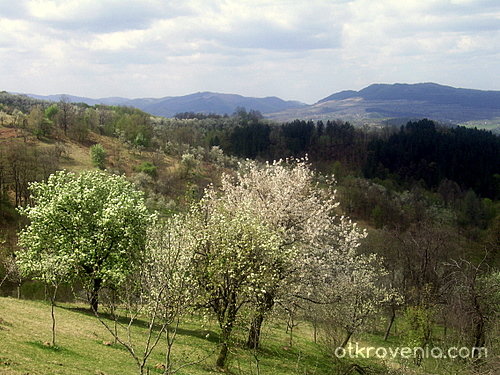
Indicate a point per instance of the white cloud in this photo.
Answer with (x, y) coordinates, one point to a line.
(296, 49)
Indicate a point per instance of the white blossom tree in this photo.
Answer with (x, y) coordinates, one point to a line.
(167, 286)
(353, 290)
(95, 222)
(231, 250)
(287, 196)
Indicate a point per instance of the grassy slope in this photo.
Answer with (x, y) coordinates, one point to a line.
(85, 347)
(26, 325)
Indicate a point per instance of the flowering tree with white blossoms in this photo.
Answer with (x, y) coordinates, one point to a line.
(167, 286)
(94, 222)
(230, 250)
(287, 197)
(161, 291)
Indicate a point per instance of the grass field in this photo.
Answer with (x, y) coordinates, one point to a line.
(85, 347)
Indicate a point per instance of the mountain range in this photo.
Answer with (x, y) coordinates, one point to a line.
(375, 103)
(380, 102)
(201, 102)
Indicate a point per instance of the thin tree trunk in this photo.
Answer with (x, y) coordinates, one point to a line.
(389, 325)
(52, 314)
(94, 299)
(315, 331)
(346, 340)
(479, 339)
(290, 326)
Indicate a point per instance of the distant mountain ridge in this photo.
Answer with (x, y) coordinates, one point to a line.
(428, 92)
(409, 101)
(203, 102)
(375, 103)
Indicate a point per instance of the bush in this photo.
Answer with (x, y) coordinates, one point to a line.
(148, 168)
(188, 163)
(98, 155)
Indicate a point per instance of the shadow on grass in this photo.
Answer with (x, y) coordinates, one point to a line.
(50, 348)
(201, 334)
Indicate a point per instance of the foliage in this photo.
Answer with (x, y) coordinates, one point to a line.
(316, 241)
(230, 263)
(423, 151)
(93, 223)
(148, 168)
(355, 291)
(160, 292)
(188, 162)
(417, 326)
(98, 155)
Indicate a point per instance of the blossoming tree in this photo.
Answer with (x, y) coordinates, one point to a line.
(230, 252)
(94, 222)
(286, 196)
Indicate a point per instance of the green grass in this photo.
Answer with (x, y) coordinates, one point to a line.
(83, 346)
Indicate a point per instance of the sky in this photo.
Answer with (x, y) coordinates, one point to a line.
(294, 49)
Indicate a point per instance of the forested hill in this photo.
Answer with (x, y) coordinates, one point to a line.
(425, 92)
(373, 104)
(202, 102)
(420, 152)
(409, 101)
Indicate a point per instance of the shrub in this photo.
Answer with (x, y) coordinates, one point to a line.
(98, 155)
(148, 168)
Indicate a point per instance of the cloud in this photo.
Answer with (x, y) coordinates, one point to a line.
(102, 16)
(296, 49)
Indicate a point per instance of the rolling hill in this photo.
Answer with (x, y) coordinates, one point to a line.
(203, 102)
(379, 102)
(374, 104)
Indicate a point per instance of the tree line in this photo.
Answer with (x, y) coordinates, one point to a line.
(429, 257)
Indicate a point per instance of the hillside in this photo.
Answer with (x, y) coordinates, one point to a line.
(424, 100)
(84, 346)
(375, 104)
(202, 102)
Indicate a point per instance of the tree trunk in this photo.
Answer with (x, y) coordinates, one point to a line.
(256, 326)
(224, 348)
(479, 340)
(52, 314)
(94, 298)
(389, 326)
(254, 333)
(226, 323)
(346, 340)
(315, 330)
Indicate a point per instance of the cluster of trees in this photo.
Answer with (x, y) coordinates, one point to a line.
(423, 151)
(268, 236)
(52, 120)
(420, 152)
(20, 164)
(22, 103)
(433, 224)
